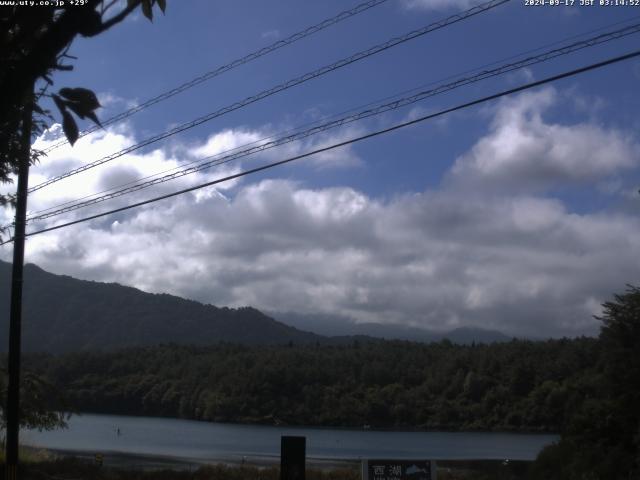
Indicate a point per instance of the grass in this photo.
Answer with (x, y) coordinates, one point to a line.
(28, 454)
(482, 470)
(70, 468)
(43, 465)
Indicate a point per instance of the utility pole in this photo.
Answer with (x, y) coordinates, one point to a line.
(15, 319)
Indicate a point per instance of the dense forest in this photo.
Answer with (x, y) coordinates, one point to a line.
(601, 437)
(518, 386)
(588, 389)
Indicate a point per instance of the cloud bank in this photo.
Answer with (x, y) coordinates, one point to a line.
(490, 247)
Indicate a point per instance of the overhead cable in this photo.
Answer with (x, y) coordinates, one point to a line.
(281, 87)
(344, 15)
(216, 160)
(326, 118)
(398, 126)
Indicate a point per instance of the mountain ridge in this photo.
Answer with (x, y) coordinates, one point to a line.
(62, 313)
(334, 325)
(65, 314)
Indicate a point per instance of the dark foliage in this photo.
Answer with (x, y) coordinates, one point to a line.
(602, 437)
(41, 405)
(517, 386)
(34, 44)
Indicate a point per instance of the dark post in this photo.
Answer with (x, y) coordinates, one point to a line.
(292, 458)
(15, 319)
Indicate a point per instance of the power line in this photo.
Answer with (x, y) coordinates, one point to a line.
(353, 109)
(283, 86)
(495, 96)
(219, 159)
(289, 84)
(344, 15)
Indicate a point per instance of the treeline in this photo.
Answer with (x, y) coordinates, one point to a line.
(601, 437)
(515, 386)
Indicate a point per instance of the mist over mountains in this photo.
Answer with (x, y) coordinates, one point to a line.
(63, 314)
(332, 325)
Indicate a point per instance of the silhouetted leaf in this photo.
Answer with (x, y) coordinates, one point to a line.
(77, 109)
(69, 127)
(146, 9)
(83, 96)
(82, 113)
(59, 103)
(162, 4)
(94, 117)
(38, 109)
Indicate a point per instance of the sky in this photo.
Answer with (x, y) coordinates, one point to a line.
(520, 214)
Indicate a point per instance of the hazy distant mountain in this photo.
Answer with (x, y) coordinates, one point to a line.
(332, 325)
(62, 313)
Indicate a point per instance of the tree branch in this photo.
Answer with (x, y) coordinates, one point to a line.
(117, 18)
(106, 8)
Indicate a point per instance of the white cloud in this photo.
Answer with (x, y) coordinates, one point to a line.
(441, 4)
(520, 76)
(109, 101)
(524, 151)
(503, 258)
(228, 141)
(524, 265)
(146, 164)
(271, 34)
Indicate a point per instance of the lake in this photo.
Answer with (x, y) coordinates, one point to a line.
(193, 441)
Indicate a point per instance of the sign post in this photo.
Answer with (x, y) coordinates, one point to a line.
(292, 458)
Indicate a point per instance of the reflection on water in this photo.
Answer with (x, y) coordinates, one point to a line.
(192, 440)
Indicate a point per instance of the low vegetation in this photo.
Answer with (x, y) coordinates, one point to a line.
(71, 468)
(68, 468)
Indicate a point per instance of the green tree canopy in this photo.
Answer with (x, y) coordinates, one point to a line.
(602, 440)
(42, 405)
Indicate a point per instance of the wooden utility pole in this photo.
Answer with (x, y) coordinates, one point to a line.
(15, 319)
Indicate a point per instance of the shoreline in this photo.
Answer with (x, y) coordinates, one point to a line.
(369, 428)
(118, 459)
(145, 467)
(181, 443)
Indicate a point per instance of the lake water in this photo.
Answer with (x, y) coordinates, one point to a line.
(203, 441)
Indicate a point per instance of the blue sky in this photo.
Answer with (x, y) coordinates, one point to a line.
(519, 215)
(139, 59)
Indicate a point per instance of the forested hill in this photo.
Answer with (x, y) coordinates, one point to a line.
(518, 386)
(64, 314)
